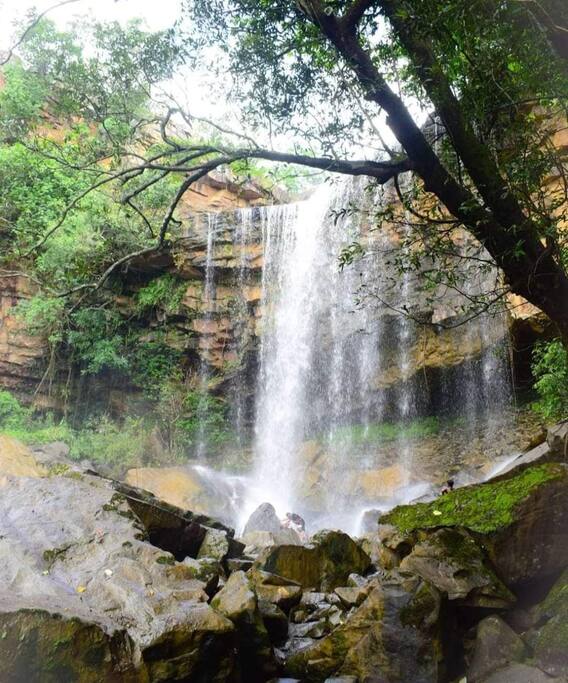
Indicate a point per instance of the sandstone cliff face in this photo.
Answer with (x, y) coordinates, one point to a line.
(219, 323)
(23, 357)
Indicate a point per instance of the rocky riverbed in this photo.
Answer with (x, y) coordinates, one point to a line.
(102, 581)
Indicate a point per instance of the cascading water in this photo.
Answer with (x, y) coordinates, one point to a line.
(336, 362)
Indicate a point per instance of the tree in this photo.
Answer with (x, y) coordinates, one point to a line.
(493, 75)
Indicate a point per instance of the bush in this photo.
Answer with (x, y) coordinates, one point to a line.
(550, 370)
(12, 414)
(116, 446)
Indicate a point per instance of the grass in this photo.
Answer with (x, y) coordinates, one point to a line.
(385, 432)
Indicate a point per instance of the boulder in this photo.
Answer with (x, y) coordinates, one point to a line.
(520, 519)
(549, 639)
(453, 562)
(256, 541)
(85, 596)
(206, 570)
(238, 602)
(275, 589)
(178, 531)
(324, 564)
(275, 621)
(496, 646)
(16, 459)
(215, 545)
(392, 636)
(557, 440)
(235, 600)
(264, 518)
(189, 488)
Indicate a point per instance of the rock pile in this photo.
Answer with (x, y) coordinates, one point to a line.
(102, 581)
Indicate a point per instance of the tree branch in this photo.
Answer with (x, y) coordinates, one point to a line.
(4, 60)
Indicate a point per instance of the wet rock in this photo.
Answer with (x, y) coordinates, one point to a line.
(392, 636)
(239, 564)
(380, 555)
(275, 621)
(238, 602)
(520, 519)
(37, 645)
(324, 564)
(236, 599)
(549, 639)
(496, 646)
(284, 597)
(17, 460)
(84, 594)
(557, 439)
(256, 541)
(453, 562)
(310, 629)
(519, 673)
(264, 518)
(215, 545)
(351, 597)
(206, 570)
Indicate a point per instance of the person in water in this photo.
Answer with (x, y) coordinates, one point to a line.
(448, 487)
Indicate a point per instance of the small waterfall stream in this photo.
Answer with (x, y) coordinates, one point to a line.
(335, 362)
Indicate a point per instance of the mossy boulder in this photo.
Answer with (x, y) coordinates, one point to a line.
(238, 602)
(393, 636)
(520, 520)
(453, 562)
(550, 638)
(496, 645)
(324, 564)
(39, 645)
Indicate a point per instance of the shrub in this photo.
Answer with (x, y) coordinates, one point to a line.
(550, 370)
(12, 414)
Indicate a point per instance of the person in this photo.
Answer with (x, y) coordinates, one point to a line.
(295, 522)
(448, 487)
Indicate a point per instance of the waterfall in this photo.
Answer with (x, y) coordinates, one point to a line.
(337, 361)
(209, 298)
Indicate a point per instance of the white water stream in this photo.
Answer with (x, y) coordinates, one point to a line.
(321, 355)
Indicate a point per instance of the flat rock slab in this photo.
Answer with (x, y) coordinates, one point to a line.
(75, 561)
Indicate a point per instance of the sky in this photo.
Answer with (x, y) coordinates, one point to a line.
(158, 14)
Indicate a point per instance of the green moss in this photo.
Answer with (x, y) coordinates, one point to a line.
(483, 508)
(166, 559)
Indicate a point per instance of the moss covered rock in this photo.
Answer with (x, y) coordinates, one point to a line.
(520, 520)
(550, 638)
(392, 636)
(38, 645)
(453, 562)
(324, 564)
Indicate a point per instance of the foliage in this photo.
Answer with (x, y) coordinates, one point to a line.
(191, 419)
(23, 424)
(165, 292)
(115, 446)
(12, 414)
(483, 508)
(550, 369)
